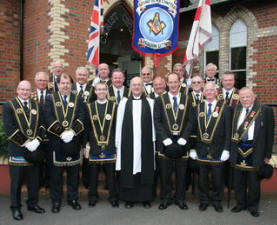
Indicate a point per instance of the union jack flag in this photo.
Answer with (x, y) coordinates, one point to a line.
(96, 25)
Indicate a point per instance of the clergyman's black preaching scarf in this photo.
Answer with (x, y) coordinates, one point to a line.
(147, 155)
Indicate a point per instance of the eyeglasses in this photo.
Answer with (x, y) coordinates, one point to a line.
(196, 82)
(42, 80)
(146, 74)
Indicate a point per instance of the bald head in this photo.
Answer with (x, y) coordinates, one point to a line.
(136, 86)
(24, 89)
(57, 68)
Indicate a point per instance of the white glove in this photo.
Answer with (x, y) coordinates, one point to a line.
(67, 136)
(182, 141)
(193, 154)
(167, 142)
(33, 145)
(225, 155)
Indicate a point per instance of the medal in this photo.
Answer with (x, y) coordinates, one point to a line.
(175, 126)
(183, 85)
(94, 117)
(71, 104)
(19, 111)
(112, 98)
(108, 117)
(220, 96)
(235, 97)
(34, 112)
(102, 155)
(215, 114)
(68, 159)
(86, 93)
(65, 123)
(209, 156)
(29, 132)
(58, 104)
(205, 135)
(74, 92)
(102, 138)
(167, 106)
(201, 114)
(236, 136)
(181, 107)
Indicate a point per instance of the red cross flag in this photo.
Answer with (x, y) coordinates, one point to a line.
(201, 33)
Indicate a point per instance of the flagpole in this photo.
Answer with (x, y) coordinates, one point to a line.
(189, 77)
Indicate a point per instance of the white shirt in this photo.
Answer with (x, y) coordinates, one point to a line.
(241, 119)
(121, 90)
(149, 88)
(137, 107)
(79, 88)
(229, 91)
(171, 98)
(22, 101)
(102, 101)
(213, 105)
(195, 93)
(38, 93)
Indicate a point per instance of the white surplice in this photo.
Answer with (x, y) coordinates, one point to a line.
(137, 105)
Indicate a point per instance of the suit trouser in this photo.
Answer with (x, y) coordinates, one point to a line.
(167, 166)
(19, 174)
(110, 179)
(217, 183)
(247, 189)
(72, 181)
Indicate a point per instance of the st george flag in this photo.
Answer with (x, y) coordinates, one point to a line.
(96, 25)
(201, 33)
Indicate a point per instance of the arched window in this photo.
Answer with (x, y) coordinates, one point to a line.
(212, 48)
(238, 43)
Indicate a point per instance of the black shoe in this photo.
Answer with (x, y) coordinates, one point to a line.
(115, 204)
(56, 207)
(181, 205)
(255, 213)
(146, 205)
(75, 204)
(36, 209)
(129, 205)
(237, 209)
(92, 203)
(218, 207)
(17, 214)
(164, 205)
(203, 206)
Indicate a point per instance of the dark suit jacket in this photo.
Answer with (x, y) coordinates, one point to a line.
(222, 135)
(161, 124)
(263, 137)
(11, 126)
(91, 97)
(95, 148)
(55, 142)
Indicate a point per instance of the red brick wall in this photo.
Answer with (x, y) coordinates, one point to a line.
(79, 20)
(9, 48)
(36, 35)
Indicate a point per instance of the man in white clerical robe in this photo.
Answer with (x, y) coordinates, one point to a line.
(135, 143)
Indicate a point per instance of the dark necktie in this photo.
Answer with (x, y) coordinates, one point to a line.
(148, 84)
(197, 98)
(175, 104)
(81, 90)
(209, 113)
(245, 138)
(25, 107)
(41, 98)
(227, 98)
(118, 96)
(64, 101)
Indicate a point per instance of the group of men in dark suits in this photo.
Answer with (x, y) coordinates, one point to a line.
(62, 121)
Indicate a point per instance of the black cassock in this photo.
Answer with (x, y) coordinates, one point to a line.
(135, 184)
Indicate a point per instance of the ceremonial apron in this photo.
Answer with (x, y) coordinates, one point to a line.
(102, 131)
(207, 128)
(28, 126)
(175, 122)
(244, 148)
(65, 116)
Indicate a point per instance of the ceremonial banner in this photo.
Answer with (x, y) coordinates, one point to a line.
(155, 26)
